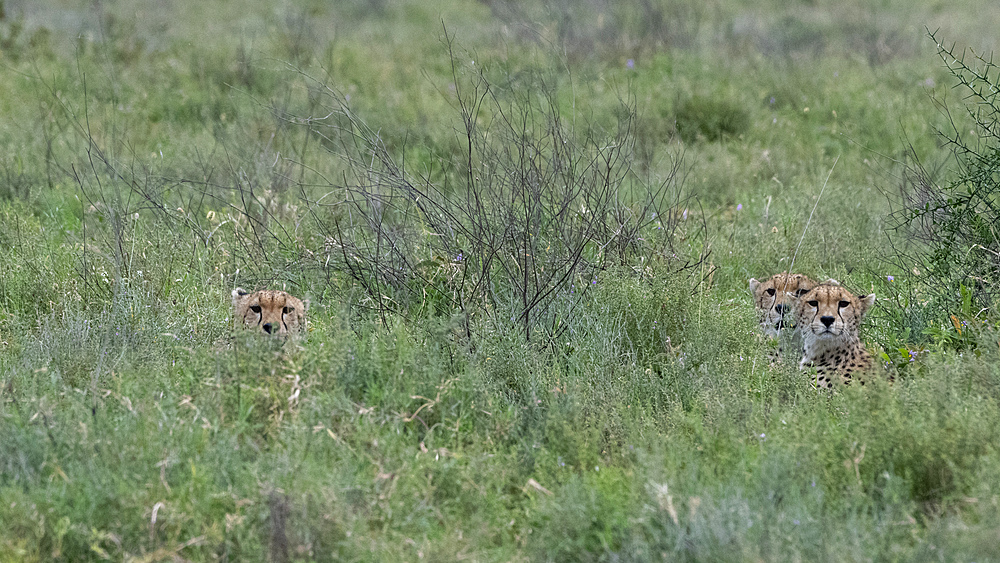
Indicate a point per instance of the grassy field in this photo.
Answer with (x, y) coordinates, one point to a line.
(525, 230)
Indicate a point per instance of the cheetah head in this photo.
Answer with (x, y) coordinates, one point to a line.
(830, 312)
(271, 311)
(775, 298)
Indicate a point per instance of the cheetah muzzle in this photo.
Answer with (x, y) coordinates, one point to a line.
(269, 311)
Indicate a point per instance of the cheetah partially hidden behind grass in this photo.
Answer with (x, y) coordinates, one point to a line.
(268, 310)
(828, 317)
(775, 299)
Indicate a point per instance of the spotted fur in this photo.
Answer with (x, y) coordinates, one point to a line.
(270, 311)
(775, 300)
(828, 317)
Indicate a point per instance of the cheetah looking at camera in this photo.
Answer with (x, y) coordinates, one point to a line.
(776, 297)
(272, 311)
(828, 317)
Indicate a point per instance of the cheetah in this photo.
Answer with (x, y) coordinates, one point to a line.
(775, 299)
(828, 317)
(272, 311)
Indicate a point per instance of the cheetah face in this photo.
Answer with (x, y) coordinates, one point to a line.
(832, 312)
(271, 311)
(776, 297)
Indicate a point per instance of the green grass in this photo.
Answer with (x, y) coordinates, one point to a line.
(155, 159)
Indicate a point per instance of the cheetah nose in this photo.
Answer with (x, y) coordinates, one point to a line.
(268, 327)
(780, 308)
(827, 321)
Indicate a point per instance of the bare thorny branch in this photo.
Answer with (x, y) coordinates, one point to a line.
(949, 229)
(537, 211)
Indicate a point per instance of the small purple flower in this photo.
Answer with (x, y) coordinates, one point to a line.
(739, 207)
(890, 278)
(772, 100)
(630, 63)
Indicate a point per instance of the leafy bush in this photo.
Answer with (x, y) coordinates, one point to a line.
(951, 231)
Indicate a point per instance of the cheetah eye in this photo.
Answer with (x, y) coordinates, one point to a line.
(288, 310)
(844, 304)
(769, 291)
(813, 303)
(255, 308)
(801, 292)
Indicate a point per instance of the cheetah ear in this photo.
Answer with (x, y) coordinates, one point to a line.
(831, 281)
(754, 284)
(237, 293)
(866, 302)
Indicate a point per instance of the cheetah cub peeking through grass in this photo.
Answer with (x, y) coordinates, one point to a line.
(828, 316)
(775, 300)
(268, 310)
